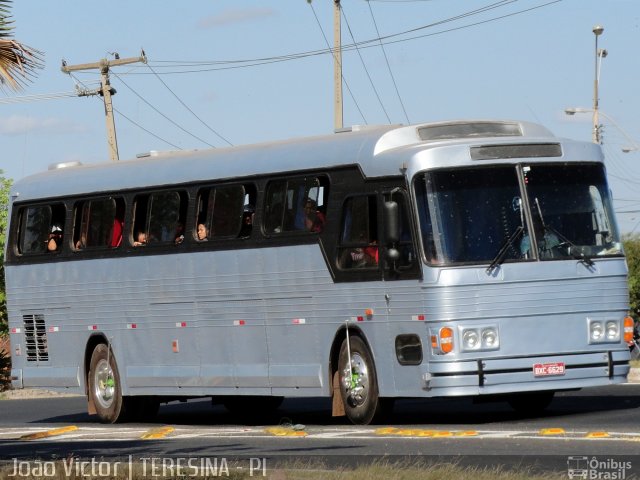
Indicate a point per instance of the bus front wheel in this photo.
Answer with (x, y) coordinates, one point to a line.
(358, 382)
(105, 390)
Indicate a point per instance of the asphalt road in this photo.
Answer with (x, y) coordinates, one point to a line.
(601, 426)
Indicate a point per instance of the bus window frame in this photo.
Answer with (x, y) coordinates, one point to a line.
(184, 207)
(85, 221)
(319, 181)
(20, 231)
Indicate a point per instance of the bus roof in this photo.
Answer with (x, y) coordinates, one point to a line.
(373, 148)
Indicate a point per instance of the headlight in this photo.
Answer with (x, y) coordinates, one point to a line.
(596, 331)
(490, 338)
(470, 339)
(479, 338)
(613, 331)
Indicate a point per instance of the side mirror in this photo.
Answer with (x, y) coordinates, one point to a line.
(391, 222)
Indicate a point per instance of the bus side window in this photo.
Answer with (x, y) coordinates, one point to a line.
(221, 211)
(159, 218)
(41, 229)
(98, 223)
(358, 245)
(227, 211)
(297, 204)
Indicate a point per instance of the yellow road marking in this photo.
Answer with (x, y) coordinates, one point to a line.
(597, 435)
(49, 433)
(156, 433)
(424, 433)
(285, 432)
(552, 431)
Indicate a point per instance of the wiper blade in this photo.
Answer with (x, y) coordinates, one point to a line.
(586, 259)
(502, 253)
(548, 228)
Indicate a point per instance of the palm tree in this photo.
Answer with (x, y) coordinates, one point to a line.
(17, 61)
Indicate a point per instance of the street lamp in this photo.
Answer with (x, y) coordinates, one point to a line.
(600, 54)
(635, 146)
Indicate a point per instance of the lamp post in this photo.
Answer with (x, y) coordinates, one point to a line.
(600, 53)
(634, 145)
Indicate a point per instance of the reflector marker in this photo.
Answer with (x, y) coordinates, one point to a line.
(15, 330)
(552, 431)
(285, 432)
(597, 435)
(299, 321)
(156, 433)
(418, 317)
(132, 326)
(238, 323)
(181, 324)
(356, 319)
(54, 329)
(92, 327)
(49, 433)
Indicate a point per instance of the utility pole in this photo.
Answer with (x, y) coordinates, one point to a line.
(596, 135)
(337, 66)
(106, 91)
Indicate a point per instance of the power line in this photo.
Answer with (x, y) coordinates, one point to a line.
(37, 97)
(365, 66)
(185, 106)
(127, 118)
(332, 51)
(247, 63)
(393, 79)
(160, 113)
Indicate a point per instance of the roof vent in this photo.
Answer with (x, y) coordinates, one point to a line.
(56, 166)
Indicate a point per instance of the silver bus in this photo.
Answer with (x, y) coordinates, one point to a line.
(470, 258)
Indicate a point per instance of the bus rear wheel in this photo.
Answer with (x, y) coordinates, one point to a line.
(358, 382)
(105, 390)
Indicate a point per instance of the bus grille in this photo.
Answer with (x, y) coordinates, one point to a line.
(35, 334)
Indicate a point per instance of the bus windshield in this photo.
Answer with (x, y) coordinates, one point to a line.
(474, 215)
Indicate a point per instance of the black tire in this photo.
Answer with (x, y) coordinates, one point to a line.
(359, 387)
(105, 390)
(252, 406)
(532, 403)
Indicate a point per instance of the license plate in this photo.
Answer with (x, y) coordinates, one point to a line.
(548, 369)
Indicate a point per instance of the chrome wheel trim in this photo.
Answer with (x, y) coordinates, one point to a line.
(355, 380)
(104, 384)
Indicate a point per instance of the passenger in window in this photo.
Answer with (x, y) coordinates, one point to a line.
(314, 219)
(179, 233)
(141, 239)
(82, 241)
(202, 232)
(54, 242)
(116, 233)
(247, 220)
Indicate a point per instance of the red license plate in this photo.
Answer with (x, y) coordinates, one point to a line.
(548, 369)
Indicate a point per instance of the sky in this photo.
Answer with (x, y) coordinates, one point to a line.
(223, 72)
